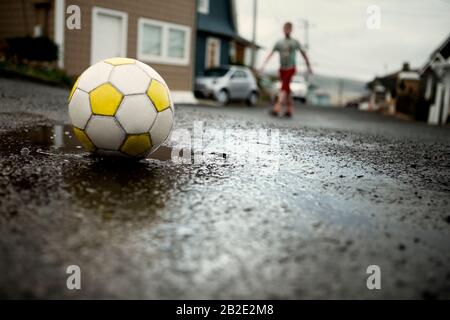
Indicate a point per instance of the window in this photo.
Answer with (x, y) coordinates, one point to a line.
(203, 6)
(176, 43)
(152, 40)
(233, 52)
(163, 42)
(216, 72)
(239, 75)
(247, 56)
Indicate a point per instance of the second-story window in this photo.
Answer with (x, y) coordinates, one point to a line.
(203, 6)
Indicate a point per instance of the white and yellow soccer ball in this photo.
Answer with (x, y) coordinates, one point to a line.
(121, 106)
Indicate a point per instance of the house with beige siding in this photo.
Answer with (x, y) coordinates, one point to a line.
(159, 33)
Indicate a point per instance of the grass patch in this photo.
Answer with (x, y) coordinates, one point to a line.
(39, 73)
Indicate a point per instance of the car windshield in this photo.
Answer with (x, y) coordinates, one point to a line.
(216, 72)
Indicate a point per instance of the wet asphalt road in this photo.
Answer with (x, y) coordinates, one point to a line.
(352, 189)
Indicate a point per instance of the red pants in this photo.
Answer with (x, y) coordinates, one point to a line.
(286, 78)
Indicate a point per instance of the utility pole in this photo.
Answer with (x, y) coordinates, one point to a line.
(306, 25)
(255, 13)
(340, 92)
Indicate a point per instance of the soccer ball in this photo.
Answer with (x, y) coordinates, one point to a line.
(121, 107)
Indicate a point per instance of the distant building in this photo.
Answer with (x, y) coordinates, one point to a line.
(382, 92)
(436, 85)
(408, 91)
(218, 42)
(397, 92)
(380, 97)
(160, 33)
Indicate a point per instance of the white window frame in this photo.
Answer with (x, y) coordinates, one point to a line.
(164, 58)
(116, 13)
(203, 6)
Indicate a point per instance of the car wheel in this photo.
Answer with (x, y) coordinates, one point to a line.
(252, 98)
(223, 97)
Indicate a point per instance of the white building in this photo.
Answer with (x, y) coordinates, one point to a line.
(436, 74)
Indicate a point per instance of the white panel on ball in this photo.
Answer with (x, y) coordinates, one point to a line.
(130, 79)
(94, 76)
(79, 109)
(151, 72)
(136, 114)
(105, 132)
(162, 127)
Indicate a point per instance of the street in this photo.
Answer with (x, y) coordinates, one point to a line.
(352, 189)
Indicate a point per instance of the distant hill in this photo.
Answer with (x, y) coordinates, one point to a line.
(350, 88)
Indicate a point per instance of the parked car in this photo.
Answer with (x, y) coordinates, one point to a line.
(299, 88)
(353, 104)
(357, 102)
(228, 83)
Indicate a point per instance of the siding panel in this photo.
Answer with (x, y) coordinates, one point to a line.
(77, 54)
(77, 51)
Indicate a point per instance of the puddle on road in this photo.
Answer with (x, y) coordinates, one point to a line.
(60, 140)
(113, 189)
(45, 139)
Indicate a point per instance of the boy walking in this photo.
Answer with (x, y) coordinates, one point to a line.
(287, 49)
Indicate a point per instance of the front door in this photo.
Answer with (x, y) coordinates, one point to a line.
(212, 55)
(109, 34)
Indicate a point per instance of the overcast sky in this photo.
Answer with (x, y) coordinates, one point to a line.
(340, 42)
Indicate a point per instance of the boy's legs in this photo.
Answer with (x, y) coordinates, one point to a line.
(289, 103)
(289, 97)
(284, 90)
(284, 95)
(280, 100)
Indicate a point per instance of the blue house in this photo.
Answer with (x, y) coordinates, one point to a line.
(218, 42)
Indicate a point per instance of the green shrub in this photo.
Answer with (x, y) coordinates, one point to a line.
(31, 49)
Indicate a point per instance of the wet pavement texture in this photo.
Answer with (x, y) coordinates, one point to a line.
(352, 189)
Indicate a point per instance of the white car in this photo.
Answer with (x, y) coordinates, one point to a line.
(228, 83)
(299, 88)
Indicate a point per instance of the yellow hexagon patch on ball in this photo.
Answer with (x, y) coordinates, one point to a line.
(158, 94)
(137, 144)
(105, 100)
(119, 61)
(84, 139)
